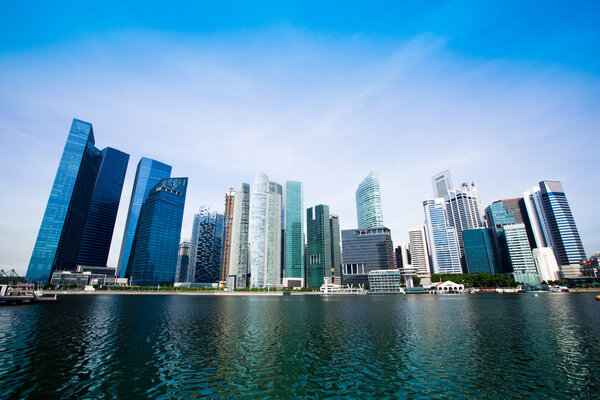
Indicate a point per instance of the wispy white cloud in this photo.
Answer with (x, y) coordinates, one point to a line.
(326, 111)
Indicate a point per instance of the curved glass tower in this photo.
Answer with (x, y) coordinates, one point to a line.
(148, 173)
(264, 233)
(368, 203)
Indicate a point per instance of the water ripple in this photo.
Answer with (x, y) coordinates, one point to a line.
(171, 347)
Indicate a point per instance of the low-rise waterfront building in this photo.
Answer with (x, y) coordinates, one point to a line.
(446, 287)
(385, 281)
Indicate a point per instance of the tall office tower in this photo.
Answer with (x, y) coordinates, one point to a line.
(229, 204)
(365, 250)
(546, 265)
(206, 253)
(539, 225)
(76, 186)
(336, 251)
(479, 251)
(153, 258)
(318, 245)
(265, 233)
(441, 239)
(463, 207)
(402, 256)
(368, 203)
(442, 184)
(519, 252)
(102, 214)
(293, 273)
(563, 231)
(513, 206)
(147, 175)
(183, 261)
(238, 258)
(418, 251)
(497, 216)
(510, 211)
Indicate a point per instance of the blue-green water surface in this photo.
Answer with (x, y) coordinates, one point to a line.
(411, 346)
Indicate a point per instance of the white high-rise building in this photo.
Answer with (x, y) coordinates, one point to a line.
(441, 238)
(418, 251)
(265, 233)
(238, 258)
(546, 265)
(369, 210)
(539, 225)
(464, 210)
(442, 184)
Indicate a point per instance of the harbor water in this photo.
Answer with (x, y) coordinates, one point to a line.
(401, 346)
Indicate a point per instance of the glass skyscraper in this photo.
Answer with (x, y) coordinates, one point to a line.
(206, 252)
(442, 238)
(147, 175)
(264, 234)
(318, 245)
(479, 251)
(336, 251)
(363, 251)
(153, 259)
(102, 214)
(563, 231)
(238, 258)
(183, 261)
(294, 235)
(76, 184)
(368, 203)
(519, 253)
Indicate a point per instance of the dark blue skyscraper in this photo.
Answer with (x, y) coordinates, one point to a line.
(206, 255)
(153, 259)
(100, 222)
(62, 229)
(148, 173)
(479, 251)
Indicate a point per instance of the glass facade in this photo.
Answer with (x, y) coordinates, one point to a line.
(368, 203)
(479, 251)
(183, 261)
(318, 245)
(154, 253)
(147, 175)
(336, 252)
(59, 238)
(206, 252)
(264, 235)
(442, 240)
(498, 216)
(102, 214)
(562, 229)
(256, 234)
(238, 260)
(365, 250)
(520, 256)
(273, 236)
(294, 230)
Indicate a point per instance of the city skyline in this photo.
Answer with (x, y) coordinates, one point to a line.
(442, 90)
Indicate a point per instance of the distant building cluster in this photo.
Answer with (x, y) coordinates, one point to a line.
(267, 239)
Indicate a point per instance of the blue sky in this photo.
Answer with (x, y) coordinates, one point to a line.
(503, 93)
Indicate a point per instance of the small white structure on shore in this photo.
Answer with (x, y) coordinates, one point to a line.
(330, 288)
(446, 287)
